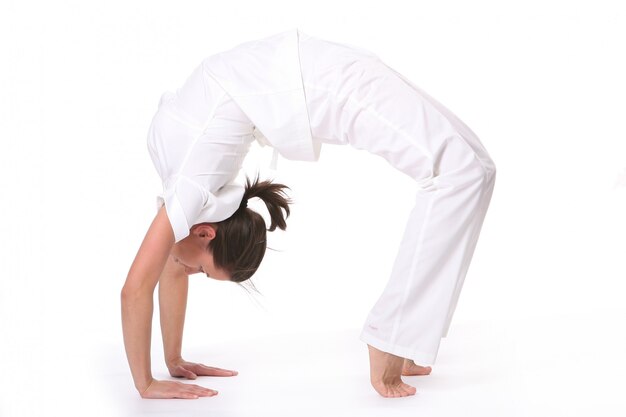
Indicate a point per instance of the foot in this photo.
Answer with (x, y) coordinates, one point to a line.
(385, 371)
(410, 368)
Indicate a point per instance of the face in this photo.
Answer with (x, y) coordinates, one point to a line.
(192, 254)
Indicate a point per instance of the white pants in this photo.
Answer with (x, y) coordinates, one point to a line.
(367, 104)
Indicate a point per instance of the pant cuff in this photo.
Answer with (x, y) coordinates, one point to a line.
(419, 357)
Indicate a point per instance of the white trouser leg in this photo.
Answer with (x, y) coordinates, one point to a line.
(456, 177)
(481, 211)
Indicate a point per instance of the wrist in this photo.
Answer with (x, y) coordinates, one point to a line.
(143, 386)
(172, 361)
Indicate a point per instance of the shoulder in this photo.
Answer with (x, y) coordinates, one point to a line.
(152, 254)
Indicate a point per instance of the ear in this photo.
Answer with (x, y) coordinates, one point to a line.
(204, 230)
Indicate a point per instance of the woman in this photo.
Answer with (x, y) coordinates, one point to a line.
(294, 92)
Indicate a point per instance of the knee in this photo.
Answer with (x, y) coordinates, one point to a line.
(483, 175)
(489, 168)
(480, 173)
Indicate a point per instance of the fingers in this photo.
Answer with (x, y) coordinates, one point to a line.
(185, 373)
(173, 389)
(188, 391)
(192, 370)
(204, 370)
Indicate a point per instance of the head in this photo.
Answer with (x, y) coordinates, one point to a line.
(232, 250)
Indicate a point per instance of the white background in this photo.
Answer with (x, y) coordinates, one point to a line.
(539, 326)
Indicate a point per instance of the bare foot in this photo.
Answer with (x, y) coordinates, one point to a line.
(410, 368)
(385, 371)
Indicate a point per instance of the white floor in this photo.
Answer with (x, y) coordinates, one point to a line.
(545, 366)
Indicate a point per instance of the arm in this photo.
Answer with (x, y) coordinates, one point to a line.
(173, 289)
(136, 297)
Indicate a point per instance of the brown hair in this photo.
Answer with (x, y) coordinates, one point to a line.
(241, 240)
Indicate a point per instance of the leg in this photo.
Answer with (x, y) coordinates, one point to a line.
(416, 307)
(456, 176)
(412, 314)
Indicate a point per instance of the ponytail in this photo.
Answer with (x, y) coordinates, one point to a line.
(241, 240)
(274, 197)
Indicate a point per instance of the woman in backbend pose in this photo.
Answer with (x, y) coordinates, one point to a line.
(293, 91)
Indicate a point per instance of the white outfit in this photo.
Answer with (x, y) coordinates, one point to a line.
(197, 140)
(355, 98)
(343, 94)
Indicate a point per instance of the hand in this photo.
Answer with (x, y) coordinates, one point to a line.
(174, 389)
(183, 369)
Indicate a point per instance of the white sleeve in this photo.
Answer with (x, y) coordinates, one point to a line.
(182, 200)
(196, 162)
(197, 97)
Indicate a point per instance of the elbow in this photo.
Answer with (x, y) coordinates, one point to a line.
(131, 293)
(127, 295)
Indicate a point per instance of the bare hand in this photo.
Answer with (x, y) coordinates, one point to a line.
(191, 370)
(174, 389)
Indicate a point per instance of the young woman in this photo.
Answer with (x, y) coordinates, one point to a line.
(293, 91)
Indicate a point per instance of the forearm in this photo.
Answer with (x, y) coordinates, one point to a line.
(173, 289)
(137, 294)
(137, 309)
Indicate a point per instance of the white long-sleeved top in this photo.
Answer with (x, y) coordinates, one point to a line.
(197, 140)
(201, 133)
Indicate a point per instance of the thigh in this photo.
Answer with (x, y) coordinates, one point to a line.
(388, 115)
(354, 97)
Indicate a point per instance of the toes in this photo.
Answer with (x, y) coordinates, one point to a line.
(405, 389)
(420, 370)
(410, 390)
(416, 370)
(384, 390)
(394, 390)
